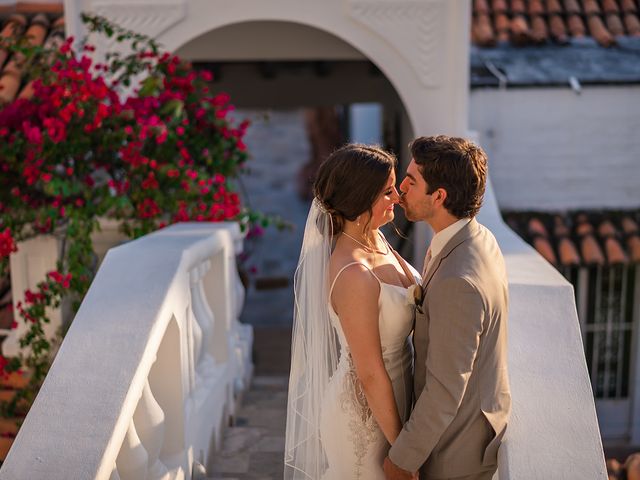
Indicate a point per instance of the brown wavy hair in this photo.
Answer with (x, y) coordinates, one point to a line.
(350, 179)
(457, 165)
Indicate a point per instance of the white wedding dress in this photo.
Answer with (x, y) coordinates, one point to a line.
(353, 442)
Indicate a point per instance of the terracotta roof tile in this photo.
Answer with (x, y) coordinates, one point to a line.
(50, 8)
(38, 29)
(536, 8)
(558, 29)
(576, 25)
(482, 31)
(539, 31)
(615, 253)
(517, 6)
(540, 21)
(572, 6)
(481, 7)
(545, 249)
(587, 238)
(591, 251)
(629, 226)
(568, 252)
(519, 30)
(590, 7)
(628, 6)
(554, 6)
(633, 243)
(599, 31)
(632, 24)
(499, 6)
(614, 24)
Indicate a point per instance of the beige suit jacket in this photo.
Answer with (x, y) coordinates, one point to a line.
(461, 384)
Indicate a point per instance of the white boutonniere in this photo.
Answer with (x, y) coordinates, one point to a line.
(414, 295)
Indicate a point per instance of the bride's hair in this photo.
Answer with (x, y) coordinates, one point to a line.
(350, 180)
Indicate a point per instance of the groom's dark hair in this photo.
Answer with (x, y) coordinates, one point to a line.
(455, 165)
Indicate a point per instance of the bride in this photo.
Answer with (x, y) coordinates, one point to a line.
(351, 362)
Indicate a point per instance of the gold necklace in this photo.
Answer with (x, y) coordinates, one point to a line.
(367, 247)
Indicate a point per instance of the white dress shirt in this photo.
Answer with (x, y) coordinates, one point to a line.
(440, 239)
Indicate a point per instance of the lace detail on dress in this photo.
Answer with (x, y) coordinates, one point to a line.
(362, 425)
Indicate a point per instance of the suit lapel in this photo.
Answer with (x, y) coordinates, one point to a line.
(465, 233)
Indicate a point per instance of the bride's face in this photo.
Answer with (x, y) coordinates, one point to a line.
(383, 207)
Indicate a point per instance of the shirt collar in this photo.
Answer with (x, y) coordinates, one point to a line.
(441, 238)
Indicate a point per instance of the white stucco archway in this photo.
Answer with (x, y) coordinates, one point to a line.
(421, 47)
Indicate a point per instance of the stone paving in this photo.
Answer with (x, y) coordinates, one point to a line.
(253, 448)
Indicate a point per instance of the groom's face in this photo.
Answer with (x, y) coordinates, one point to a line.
(417, 203)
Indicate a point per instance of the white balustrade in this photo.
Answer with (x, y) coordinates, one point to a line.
(144, 380)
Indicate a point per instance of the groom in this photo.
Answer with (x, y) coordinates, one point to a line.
(461, 384)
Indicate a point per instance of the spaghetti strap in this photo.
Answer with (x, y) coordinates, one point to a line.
(344, 268)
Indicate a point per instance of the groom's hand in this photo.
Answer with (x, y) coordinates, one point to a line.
(394, 472)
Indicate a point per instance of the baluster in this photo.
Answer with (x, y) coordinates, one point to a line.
(132, 459)
(149, 420)
(195, 326)
(204, 315)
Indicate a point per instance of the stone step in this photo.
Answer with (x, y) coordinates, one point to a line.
(253, 448)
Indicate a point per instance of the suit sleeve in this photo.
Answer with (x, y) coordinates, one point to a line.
(456, 314)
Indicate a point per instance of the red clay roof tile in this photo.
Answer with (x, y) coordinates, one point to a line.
(615, 253)
(538, 21)
(591, 238)
(536, 8)
(628, 6)
(590, 7)
(482, 32)
(600, 32)
(629, 226)
(517, 6)
(572, 6)
(576, 25)
(610, 6)
(481, 7)
(545, 249)
(634, 247)
(591, 251)
(568, 252)
(558, 29)
(632, 24)
(536, 227)
(539, 31)
(614, 24)
(52, 8)
(553, 6)
(499, 6)
(519, 30)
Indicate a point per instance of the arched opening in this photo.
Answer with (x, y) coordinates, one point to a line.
(306, 91)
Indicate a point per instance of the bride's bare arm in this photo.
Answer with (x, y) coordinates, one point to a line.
(355, 299)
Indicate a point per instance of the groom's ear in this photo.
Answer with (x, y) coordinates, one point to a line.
(440, 195)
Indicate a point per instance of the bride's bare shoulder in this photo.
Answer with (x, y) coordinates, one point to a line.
(346, 268)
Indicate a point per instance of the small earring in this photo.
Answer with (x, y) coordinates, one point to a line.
(358, 221)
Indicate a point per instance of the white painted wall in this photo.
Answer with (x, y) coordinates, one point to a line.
(553, 149)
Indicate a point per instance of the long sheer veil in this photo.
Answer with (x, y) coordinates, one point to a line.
(313, 350)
